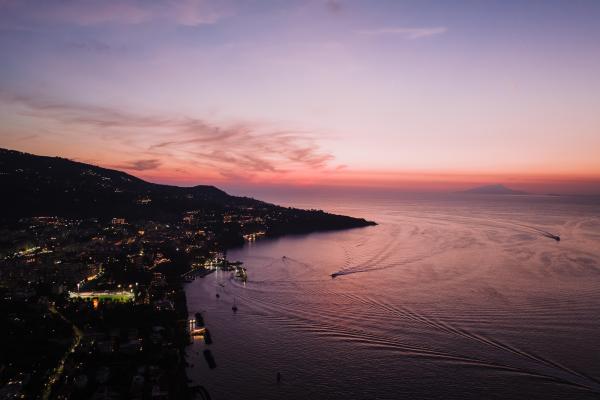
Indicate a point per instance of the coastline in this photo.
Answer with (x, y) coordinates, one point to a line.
(194, 389)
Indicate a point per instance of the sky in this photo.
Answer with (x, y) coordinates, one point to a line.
(400, 95)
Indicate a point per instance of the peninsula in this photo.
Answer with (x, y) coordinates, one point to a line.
(101, 257)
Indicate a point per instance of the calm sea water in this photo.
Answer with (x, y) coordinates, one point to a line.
(455, 297)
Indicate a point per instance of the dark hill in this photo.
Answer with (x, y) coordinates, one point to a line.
(52, 186)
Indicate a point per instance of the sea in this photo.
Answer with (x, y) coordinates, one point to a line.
(449, 297)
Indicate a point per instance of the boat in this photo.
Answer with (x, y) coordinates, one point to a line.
(234, 307)
(336, 274)
(240, 274)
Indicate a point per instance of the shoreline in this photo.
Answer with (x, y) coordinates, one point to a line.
(193, 389)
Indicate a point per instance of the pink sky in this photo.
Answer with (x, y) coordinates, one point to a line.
(400, 95)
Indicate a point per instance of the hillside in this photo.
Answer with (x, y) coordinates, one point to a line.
(52, 186)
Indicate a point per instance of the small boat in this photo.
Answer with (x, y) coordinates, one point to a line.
(217, 295)
(552, 236)
(234, 307)
(240, 274)
(336, 274)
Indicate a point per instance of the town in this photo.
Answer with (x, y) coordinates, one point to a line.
(95, 309)
(92, 267)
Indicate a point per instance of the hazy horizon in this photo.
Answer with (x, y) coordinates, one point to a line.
(416, 187)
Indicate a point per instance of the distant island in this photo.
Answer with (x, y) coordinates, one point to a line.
(493, 189)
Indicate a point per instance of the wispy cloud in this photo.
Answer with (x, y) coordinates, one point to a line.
(140, 165)
(93, 46)
(94, 12)
(237, 148)
(409, 33)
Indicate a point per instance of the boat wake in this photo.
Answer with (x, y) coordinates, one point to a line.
(542, 232)
(534, 364)
(443, 243)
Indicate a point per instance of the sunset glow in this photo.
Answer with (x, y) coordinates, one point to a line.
(292, 199)
(399, 95)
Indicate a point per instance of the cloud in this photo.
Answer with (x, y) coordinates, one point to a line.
(334, 6)
(140, 165)
(236, 148)
(95, 12)
(92, 46)
(410, 33)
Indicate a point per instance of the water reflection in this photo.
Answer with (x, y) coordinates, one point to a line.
(456, 298)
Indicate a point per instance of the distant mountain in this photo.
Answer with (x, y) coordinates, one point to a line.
(52, 186)
(493, 189)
